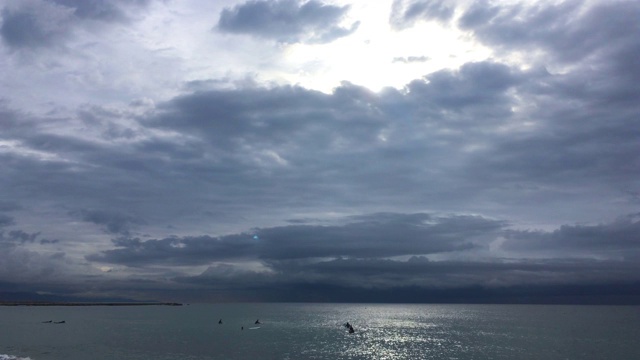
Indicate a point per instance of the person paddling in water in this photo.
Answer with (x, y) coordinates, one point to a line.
(220, 321)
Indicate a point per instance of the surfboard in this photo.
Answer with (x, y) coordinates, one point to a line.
(254, 328)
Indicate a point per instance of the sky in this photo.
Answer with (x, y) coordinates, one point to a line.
(293, 150)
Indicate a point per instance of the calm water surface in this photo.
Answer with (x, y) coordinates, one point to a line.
(315, 331)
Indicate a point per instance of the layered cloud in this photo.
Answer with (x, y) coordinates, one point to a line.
(374, 236)
(617, 239)
(511, 171)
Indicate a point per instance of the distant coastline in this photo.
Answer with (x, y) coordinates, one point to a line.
(46, 303)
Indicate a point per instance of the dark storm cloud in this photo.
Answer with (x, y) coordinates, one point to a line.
(372, 236)
(354, 254)
(378, 235)
(287, 21)
(619, 238)
(421, 280)
(404, 13)
(420, 272)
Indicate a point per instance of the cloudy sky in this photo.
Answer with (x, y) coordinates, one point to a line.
(391, 150)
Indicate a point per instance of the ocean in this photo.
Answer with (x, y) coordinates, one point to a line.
(317, 331)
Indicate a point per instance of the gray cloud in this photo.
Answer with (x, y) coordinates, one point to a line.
(620, 238)
(6, 220)
(18, 236)
(421, 280)
(361, 180)
(115, 222)
(479, 86)
(43, 23)
(405, 13)
(111, 11)
(379, 235)
(284, 129)
(564, 30)
(34, 24)
(420, 272)
(9, 206)
(287, 21)
(438, 141)
(355, 254)
(48, 241)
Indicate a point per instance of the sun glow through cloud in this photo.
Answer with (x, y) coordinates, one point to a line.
(378, 56)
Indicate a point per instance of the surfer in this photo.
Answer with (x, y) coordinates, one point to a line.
(47, 322)
(220, 321)
(257, 322)
(351, 331)
(59, 322)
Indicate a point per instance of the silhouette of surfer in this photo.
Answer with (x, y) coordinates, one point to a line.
(257, 322)
(220, 321)
(351, 330)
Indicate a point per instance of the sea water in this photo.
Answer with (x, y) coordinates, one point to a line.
(317, 331)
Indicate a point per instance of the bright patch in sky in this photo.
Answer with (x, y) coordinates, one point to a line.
(377, 56)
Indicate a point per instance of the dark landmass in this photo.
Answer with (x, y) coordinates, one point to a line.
(27, 298)
(37, 303)
(577, 294)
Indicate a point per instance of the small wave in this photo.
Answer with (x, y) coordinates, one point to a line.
(12, 357)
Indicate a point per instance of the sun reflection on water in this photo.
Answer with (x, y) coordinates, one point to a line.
(384, 332)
